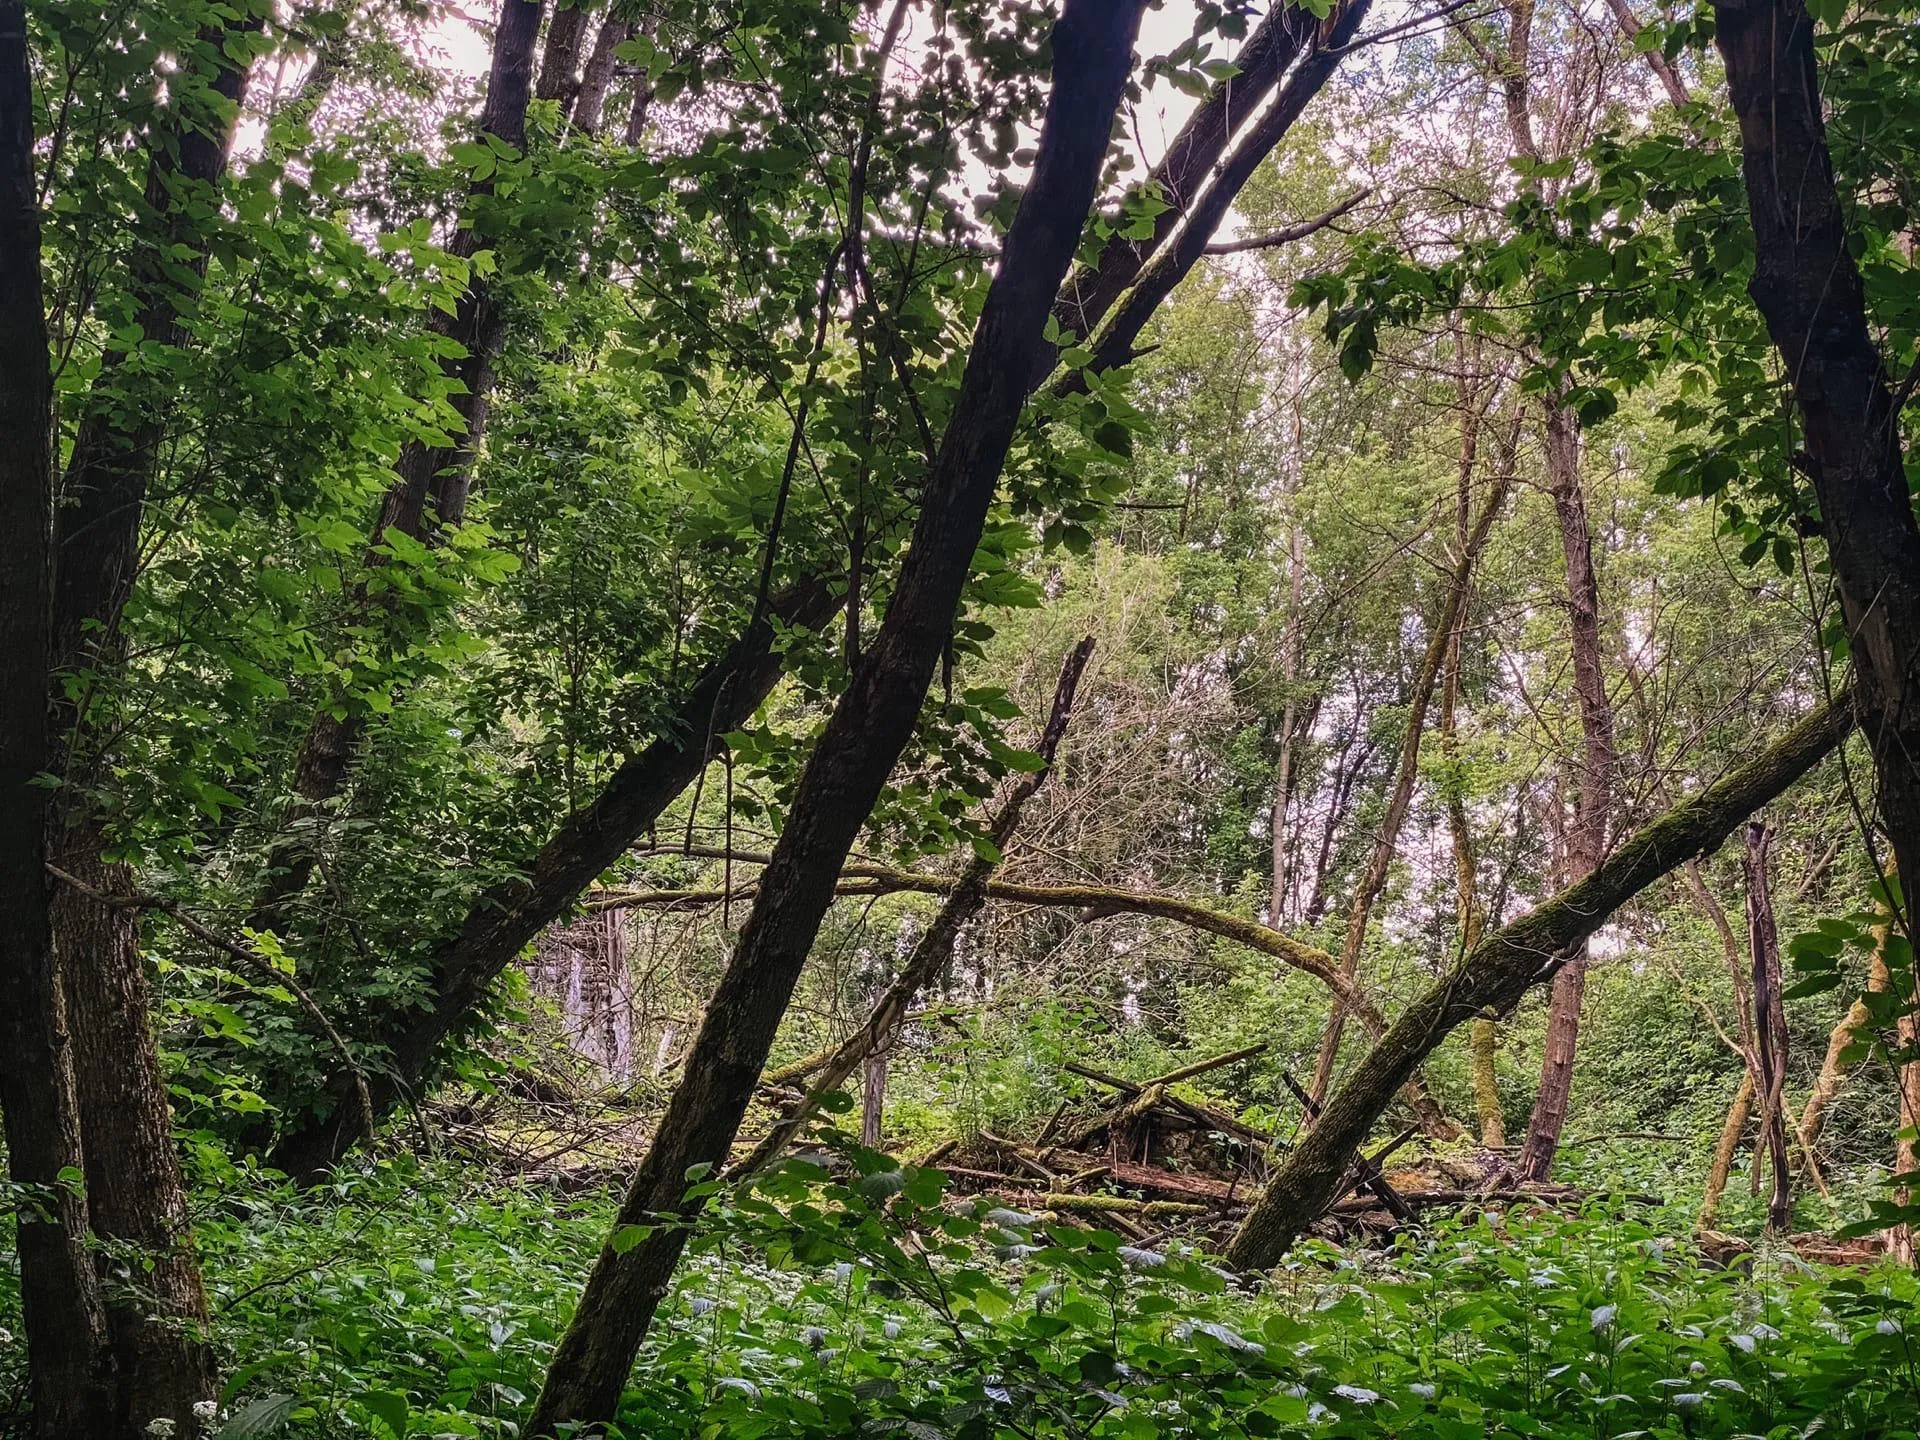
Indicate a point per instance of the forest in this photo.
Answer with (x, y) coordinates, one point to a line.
(959, 719)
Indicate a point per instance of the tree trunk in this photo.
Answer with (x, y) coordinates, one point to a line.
(507, 916)
(1587, 840)
(1769, 1023)
(136, 1195)
(136, 1201)
(1906, 1146)
(873, 1093)
(427, 479)
(1808, 290)
(1092, 45)
(69, 1361)
(1506, 965)
(1724, 1151)
(1387, 840)
(560, 63)
(589, 107)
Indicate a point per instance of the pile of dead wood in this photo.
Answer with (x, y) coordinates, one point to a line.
(1150, 1163)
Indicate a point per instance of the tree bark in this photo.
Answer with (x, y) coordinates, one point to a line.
(1506, 965)
(136, 1201)
(1808, 290)
(589, 106)
(1092, 45)
(427, 478)
(1587, 839)
(1723, 1152)
(69, 1360)
(560, 62)
(1769, 1023)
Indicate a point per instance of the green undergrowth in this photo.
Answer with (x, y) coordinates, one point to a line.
(406, 1301)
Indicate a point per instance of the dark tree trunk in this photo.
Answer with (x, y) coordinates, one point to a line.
(1769, 1023)
(508, 916)
(69, 1361)
(1593, 799)
(560, 64)
(136, 1200)
(589, 107)
(1092, 46)
(429, 493)
(1808, 290)
(505, 918)
(1506, 965)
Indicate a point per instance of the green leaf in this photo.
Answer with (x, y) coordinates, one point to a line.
(260, 1417)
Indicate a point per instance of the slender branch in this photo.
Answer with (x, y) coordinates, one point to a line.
(253, 960)
(1292, 232)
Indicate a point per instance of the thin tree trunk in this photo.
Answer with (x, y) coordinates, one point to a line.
(1855, 1029)
(1290, 645)
(1505, 966)
(1587, 839)
(1092, 46)
(69, 1359)
(1808, 290)
(873, 1092)
(427, 479)
(1724, 1151)
(1769, 1023)
(1387, 841)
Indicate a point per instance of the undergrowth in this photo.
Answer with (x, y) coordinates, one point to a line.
(403, 1301)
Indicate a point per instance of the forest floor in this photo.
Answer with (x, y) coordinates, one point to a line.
(423, 1297)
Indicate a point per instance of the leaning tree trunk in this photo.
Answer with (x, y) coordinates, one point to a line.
(1808, 290)
(506, 916)
(1505, 966)
(1769, 1024)
(1587, 838)
(1092, 46)
(68, 1356)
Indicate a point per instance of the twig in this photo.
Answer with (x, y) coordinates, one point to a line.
(253, 960)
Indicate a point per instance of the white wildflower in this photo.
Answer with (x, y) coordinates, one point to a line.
(1887, 1326)
(160, 1425)
(1603, 1318)
(206, 1409)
